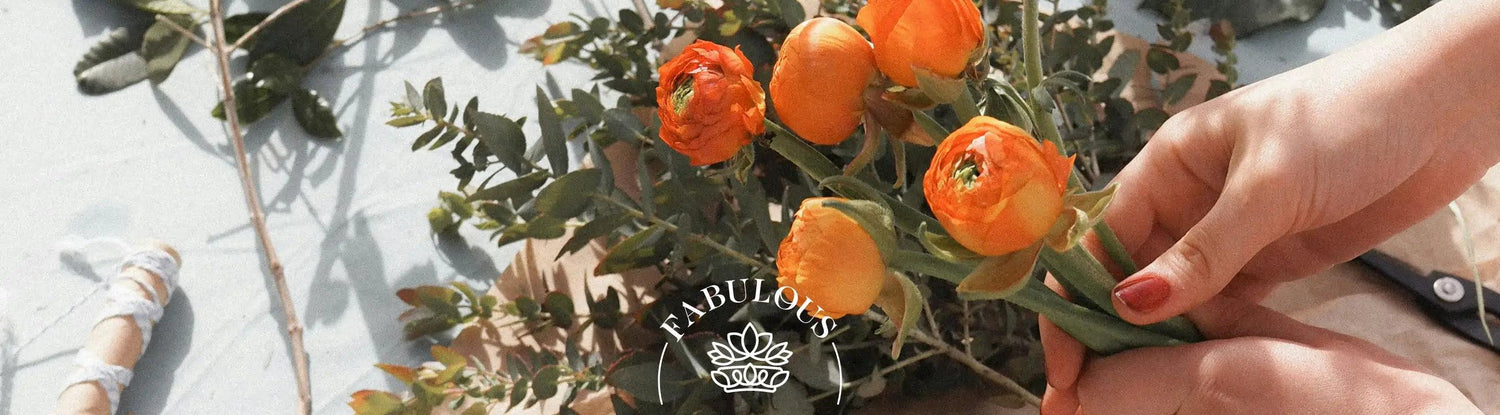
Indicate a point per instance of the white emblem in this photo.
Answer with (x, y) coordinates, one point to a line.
(749, 361)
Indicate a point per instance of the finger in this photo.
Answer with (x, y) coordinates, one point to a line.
(1228, 317)
(1199, 265)
(1113, 384)
(1059, 401)
(1064, 354)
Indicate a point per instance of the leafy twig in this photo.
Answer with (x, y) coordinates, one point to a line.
(184, 31)
(705, 241)
(252, 198)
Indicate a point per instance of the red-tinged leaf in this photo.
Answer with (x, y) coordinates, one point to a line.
(373, 402)
(408, 296)
(405, 374)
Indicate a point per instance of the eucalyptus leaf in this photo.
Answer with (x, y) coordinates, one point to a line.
(553, 139)
(569, 195)
(1178, 88)
(589, 106)
(560, 307)
(163, 46)
(510, 189)
(544, 384)
(504, 139)
(599, 227)
(644, 249)
(314, 114)
(1161, 60)
(433, 98)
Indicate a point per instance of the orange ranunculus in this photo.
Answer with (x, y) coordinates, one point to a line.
(709, 103)
(994, 187)
(942, 36)
(831, 260)
(819, 83)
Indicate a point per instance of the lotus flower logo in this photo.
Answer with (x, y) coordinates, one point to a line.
(749, 361)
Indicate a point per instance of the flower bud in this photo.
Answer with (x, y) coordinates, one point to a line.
(995, 188)
(829, 258)
(941, 36)
(820, 78)
(709, 103)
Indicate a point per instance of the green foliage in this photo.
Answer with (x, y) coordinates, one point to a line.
(280, 55)
(649, 210)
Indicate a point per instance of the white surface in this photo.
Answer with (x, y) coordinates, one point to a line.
(348, 218)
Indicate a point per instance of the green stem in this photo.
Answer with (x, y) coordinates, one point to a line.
(925, 264)
(1097, 331)
(1031, 43)
(1115, 249)
(1084, 276)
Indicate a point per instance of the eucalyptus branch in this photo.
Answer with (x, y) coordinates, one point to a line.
(250, 34)
(252, 198)
(184, 31)
(700, 239)
(978, 367)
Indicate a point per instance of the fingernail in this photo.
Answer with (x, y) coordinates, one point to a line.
(1143, 294)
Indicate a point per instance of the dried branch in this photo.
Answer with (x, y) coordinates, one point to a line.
(978, 367)
(221, 52)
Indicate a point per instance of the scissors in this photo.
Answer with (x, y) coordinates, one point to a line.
(1451, 300)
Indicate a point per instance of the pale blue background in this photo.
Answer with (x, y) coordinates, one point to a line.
(348, 217)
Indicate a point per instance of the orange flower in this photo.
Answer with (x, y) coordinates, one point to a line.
(819, 83)
(709, 103)
(994, 187)
(830, 259)
(942, 36)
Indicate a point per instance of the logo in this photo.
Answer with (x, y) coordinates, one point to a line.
(749, 361)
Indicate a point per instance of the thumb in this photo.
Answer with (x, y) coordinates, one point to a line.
(1203, 261)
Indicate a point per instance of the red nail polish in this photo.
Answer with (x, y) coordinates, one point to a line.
(1143, 294)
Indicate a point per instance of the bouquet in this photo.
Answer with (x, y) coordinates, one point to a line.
(796, 182)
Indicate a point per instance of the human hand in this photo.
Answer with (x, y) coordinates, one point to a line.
(1289, 176)
(1263, 362)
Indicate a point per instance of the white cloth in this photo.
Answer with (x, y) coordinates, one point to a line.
(144, 311)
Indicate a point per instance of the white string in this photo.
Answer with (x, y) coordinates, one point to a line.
(72, 250)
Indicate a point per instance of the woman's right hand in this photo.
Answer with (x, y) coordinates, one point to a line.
(1261, 362)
